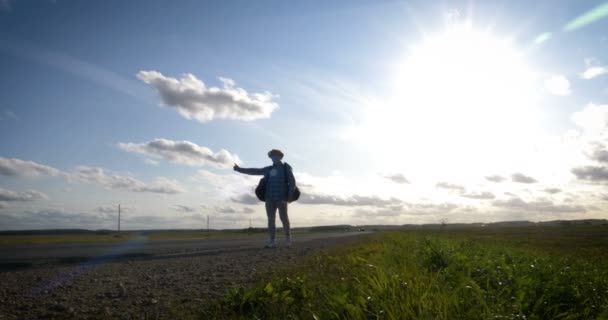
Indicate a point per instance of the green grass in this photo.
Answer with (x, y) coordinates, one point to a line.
(527, 273)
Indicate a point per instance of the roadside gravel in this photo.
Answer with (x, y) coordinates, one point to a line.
(141, 289)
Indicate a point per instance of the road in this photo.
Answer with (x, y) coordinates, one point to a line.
(138, 248)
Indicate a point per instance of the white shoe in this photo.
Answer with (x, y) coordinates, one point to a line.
(271, 244)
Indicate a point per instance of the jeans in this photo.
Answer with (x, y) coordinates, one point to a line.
(271, 212)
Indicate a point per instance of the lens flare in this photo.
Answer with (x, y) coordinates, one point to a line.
(588, 17)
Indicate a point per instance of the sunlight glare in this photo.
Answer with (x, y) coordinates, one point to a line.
(463, 94)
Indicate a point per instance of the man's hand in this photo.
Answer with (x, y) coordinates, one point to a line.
(236, 167)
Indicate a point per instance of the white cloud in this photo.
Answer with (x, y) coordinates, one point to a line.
(397, 178)
(552, 190)
(17, 167)
(479, 195)
(94, 175)
(182, 152)
(450, 186)
(496, 178)
(593, 119)
(30, 195)
(544, 206)
(114, 209)
(151, 162)
(415, 211)
(591, 173)
(367, 213)
(354, 200)
(594, 71)
(429, 208)
(182, 208)
(558, 85)
(112, 181)
(232, 210)
(194, 100)
(246, 198)
(316, 198)
(107, 209)
(233, 185)
(522, 178)
(598, 152)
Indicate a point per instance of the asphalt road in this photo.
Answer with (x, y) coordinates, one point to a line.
(139, 248)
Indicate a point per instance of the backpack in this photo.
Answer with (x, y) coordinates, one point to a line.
(260, 190)
(296, 190)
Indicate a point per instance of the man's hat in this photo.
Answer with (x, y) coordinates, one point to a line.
(275, 152)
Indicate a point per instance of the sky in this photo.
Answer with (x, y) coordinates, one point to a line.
(389, 112)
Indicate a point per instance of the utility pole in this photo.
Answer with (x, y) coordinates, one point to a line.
(119, 217)
(207, 223)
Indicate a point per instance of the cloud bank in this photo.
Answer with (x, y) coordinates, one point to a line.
(545, 206)
(17, 167)
(479, 195)
(30, 195)
(246, 198)
(231, 210)
(397, 178)
(112, 181)
(591, 173)
(182, 152)
(354, 200)
(450, 186)
(496, 178)
(194, 100)
(182, 208)
(114, 209)
(522, 178)
(93, 175)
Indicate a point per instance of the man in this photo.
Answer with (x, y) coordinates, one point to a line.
(277, 193)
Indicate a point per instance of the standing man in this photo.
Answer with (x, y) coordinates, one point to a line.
(277, 193)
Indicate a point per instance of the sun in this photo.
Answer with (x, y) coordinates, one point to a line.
(462, 96)
(463, 70)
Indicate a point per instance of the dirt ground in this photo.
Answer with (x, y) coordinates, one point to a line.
(140, 289)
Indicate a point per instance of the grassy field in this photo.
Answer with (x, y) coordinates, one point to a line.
(510, 273)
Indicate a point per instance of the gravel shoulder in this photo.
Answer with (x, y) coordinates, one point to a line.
(142, 289)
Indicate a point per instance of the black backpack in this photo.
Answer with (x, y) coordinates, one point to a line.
(260, 190)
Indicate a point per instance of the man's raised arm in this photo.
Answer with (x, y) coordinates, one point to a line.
(251, 171)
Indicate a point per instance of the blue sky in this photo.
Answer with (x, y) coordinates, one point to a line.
(389, 111)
